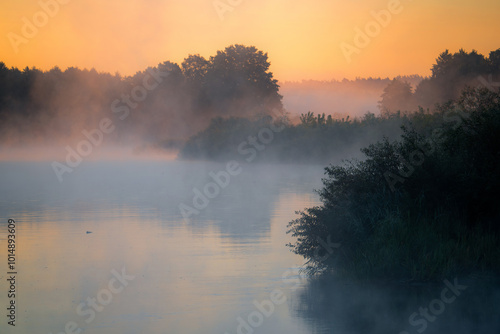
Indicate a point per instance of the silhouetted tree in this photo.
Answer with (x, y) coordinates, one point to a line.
(195, 68)
(308, 120)
(494, 60)
(396, 96)
(238, 81)
(450, 74)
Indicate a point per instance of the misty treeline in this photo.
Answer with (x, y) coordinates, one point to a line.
(316, 139)
(339, 98)
(160, 106)
(322, 138)
(207, 108)
(450, 74)
(423, 207)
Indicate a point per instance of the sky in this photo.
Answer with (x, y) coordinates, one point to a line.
(314, 39)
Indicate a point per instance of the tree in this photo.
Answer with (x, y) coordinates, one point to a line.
(238, 82)
(308, 120)
(450, 74)
(397, 96)
(195, 68)
(441, 66)
(494, 60)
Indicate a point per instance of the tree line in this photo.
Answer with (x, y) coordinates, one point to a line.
(451, 73)
(163, 105)
(321, 138)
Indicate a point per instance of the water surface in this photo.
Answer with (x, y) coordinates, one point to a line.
(225, 270)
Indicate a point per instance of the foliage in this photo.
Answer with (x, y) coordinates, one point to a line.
(451, 73)
(317, 139)
(443, 219)
(161, 104)
(397, 95)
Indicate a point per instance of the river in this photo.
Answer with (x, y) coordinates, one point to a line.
(109, 250)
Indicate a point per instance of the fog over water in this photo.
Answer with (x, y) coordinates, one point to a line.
(200, 275)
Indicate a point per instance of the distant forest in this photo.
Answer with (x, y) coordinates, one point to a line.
(205, 108)
(339, 98)
(161, 105)
(321, 138)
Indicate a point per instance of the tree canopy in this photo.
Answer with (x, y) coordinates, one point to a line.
(451, 73)
(160, 104)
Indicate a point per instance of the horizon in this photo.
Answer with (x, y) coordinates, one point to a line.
(298, 81)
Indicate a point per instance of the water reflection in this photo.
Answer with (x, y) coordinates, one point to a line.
(188, 277)
(199, 276)
(336, 306)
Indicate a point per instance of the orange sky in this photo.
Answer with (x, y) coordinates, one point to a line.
(303, 38)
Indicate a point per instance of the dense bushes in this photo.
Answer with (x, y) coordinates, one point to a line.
(423, 207)
(317, 139)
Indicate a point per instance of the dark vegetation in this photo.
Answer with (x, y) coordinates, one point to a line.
(421, 208)
(161, 105)
(317, 139)
(321, 138)
(450, 74)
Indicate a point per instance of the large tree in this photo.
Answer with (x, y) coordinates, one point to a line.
(238, 82)
(450, 74)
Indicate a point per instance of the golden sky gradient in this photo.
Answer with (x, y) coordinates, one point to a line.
(302, 38)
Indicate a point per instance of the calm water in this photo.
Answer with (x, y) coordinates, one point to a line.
(145, 269)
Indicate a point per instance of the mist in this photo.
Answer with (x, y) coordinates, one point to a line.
(46, 115)
(227, 201)
(339, 98)
(155, 109)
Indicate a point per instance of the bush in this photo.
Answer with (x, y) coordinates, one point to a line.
(399, 217)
